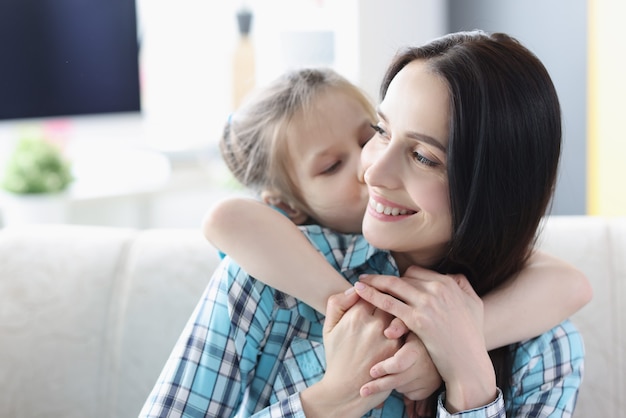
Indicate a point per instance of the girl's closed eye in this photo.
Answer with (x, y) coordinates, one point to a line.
(379, 130)
(331, 168)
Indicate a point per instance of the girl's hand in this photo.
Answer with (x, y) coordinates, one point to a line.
(447, 315)
(410, 371)
(353, 342)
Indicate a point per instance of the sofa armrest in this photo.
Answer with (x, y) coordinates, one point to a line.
(56, 284)
(597, 245)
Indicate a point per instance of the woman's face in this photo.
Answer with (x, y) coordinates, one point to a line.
(326, 153)
(405, 169)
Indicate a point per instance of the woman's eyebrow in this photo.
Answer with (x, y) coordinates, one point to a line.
(427, 139)
(416, 135)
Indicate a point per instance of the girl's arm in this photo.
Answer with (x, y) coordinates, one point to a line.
(269, 247)
(546, 292)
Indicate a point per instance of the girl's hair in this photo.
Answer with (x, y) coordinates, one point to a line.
(254, 141)
(503, 154)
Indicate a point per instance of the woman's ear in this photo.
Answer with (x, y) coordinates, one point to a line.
(296, 215)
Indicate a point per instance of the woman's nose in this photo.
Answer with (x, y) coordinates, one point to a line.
(382, 168)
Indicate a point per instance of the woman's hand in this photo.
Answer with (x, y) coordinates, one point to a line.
(447, 315)
(353, 342)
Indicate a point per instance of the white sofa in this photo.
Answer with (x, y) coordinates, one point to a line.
(88, 315)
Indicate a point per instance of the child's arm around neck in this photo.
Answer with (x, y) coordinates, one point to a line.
(270, 247)
(547, 291)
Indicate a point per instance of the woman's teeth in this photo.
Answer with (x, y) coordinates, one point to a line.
(387, 210)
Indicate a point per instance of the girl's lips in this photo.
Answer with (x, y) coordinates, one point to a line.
(383, 209)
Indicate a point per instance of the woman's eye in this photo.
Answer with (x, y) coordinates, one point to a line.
(423, 160)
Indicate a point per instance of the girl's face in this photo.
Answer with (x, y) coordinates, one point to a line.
(405, 169)
(325, 150)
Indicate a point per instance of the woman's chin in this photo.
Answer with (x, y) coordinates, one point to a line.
(377, 236)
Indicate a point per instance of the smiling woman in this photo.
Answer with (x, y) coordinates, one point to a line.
(490, 103)
(415, 160)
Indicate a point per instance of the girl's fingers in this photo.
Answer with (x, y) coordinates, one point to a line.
(396, 329)
(384, 384)
(392, 381)
(404, 358)
(337, 306)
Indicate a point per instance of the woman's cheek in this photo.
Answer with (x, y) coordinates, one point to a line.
(434, 198)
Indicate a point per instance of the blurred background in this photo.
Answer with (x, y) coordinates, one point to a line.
(144, 90)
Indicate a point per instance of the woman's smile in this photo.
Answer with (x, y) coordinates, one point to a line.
(384, 209)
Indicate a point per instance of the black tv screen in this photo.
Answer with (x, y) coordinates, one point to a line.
(68, 57)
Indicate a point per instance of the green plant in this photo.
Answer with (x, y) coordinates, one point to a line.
(36, 166)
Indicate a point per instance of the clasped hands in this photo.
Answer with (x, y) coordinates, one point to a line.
(370, 350)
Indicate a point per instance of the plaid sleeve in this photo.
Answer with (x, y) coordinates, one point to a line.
(211, 363)
(547, 374)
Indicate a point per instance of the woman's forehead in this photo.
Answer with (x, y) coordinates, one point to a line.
(417, 101)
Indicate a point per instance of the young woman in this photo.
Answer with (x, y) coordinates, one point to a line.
(467, 148)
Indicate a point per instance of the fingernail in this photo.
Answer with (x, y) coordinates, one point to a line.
(349, 291)
(374, 373)
(363, 276)
(365, 392)
(359, 286)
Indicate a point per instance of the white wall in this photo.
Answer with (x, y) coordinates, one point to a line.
(384, 27)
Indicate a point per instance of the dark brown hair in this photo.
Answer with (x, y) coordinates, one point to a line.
(504, 149)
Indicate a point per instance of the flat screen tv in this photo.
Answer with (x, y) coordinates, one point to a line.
(68, 57)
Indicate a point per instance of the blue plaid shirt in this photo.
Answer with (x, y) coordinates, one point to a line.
(249, 349)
